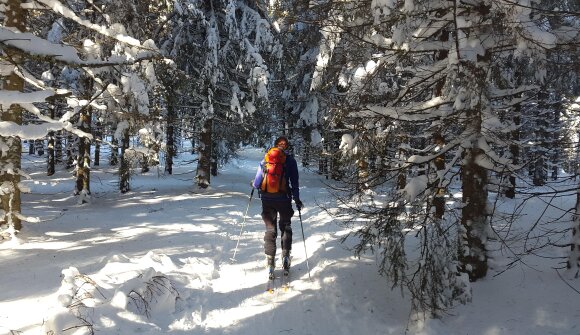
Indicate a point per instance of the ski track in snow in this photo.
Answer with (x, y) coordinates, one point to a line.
(189, 235)
(197, 230)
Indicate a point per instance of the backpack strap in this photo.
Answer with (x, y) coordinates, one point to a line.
(264, 173)
(282, 176)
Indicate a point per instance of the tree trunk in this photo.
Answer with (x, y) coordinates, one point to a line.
(214, 160)
(170, 137)
(70, 156)
(362, 173)
(573, 262)
(83, 171)
(439, 190)
(306, 146)
(193, 144)
(204, 151)
(39, 147)
(124, 169)
(555, 147)
(514, 151)
(335, 161)
(402, 156)
(306, 154)
(473, 253)
(98, 139)
(144, 163)
(50, 164)
(58, 147)
(540, 162)
(539, 177)
(323, 160)
(114, 159)
(10, 160)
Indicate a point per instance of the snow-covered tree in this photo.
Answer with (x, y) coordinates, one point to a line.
(222, 46)
(297, 111)
(26, 52)
(428, 84)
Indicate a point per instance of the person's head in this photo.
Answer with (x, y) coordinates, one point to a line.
(282, 143)
(438, 139)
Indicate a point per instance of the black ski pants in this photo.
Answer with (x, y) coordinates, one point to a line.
(277, 214)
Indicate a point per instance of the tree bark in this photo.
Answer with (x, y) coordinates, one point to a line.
(70, 156)
(573, 262)
(98, 139)
(170, 137)
(124, 169)
(58, 147)
(514, 151)
(50, 161)
(39, 147)
(214, 159)
(556, 145)
(83, 171)
(473, 252)
(203, 174)
(439, 190)
(540, 162)
(114, 159)
(10, 160)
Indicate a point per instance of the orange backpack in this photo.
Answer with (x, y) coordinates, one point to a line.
(274, 180)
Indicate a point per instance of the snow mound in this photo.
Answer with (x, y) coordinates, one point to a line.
(125, 292)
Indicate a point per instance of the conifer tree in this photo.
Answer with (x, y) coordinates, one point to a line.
(423, 71)
(223, 48)
(32, 55)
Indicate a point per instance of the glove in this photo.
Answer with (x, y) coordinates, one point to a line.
(299, 204)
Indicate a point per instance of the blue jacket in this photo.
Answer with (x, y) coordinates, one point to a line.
(292, 183)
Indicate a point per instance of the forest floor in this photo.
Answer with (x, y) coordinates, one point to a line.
(157, 260)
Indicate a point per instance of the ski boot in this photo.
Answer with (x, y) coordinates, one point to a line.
(286, 262)
(271, 264)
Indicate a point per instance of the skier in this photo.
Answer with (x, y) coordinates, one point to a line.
(277, 184)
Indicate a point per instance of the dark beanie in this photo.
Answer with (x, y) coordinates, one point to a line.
(280, 139)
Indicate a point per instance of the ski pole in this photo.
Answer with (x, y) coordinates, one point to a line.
(304, 241)
(233, 259)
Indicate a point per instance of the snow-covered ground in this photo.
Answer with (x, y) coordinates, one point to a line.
(157, 260)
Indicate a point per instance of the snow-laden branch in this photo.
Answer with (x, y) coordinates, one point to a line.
(36, 46)
(434, 108)
(433, 27)
(499, 93)
(63, 10)
(528, 5)
(37, 131)
(8, 98)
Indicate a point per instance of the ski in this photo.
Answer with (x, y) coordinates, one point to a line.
(286, 280)
(286, 274)
(278, 284)
(271, 283)
(270, 286)
(282, 282)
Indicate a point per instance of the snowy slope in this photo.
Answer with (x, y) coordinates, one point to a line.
(157, 260)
